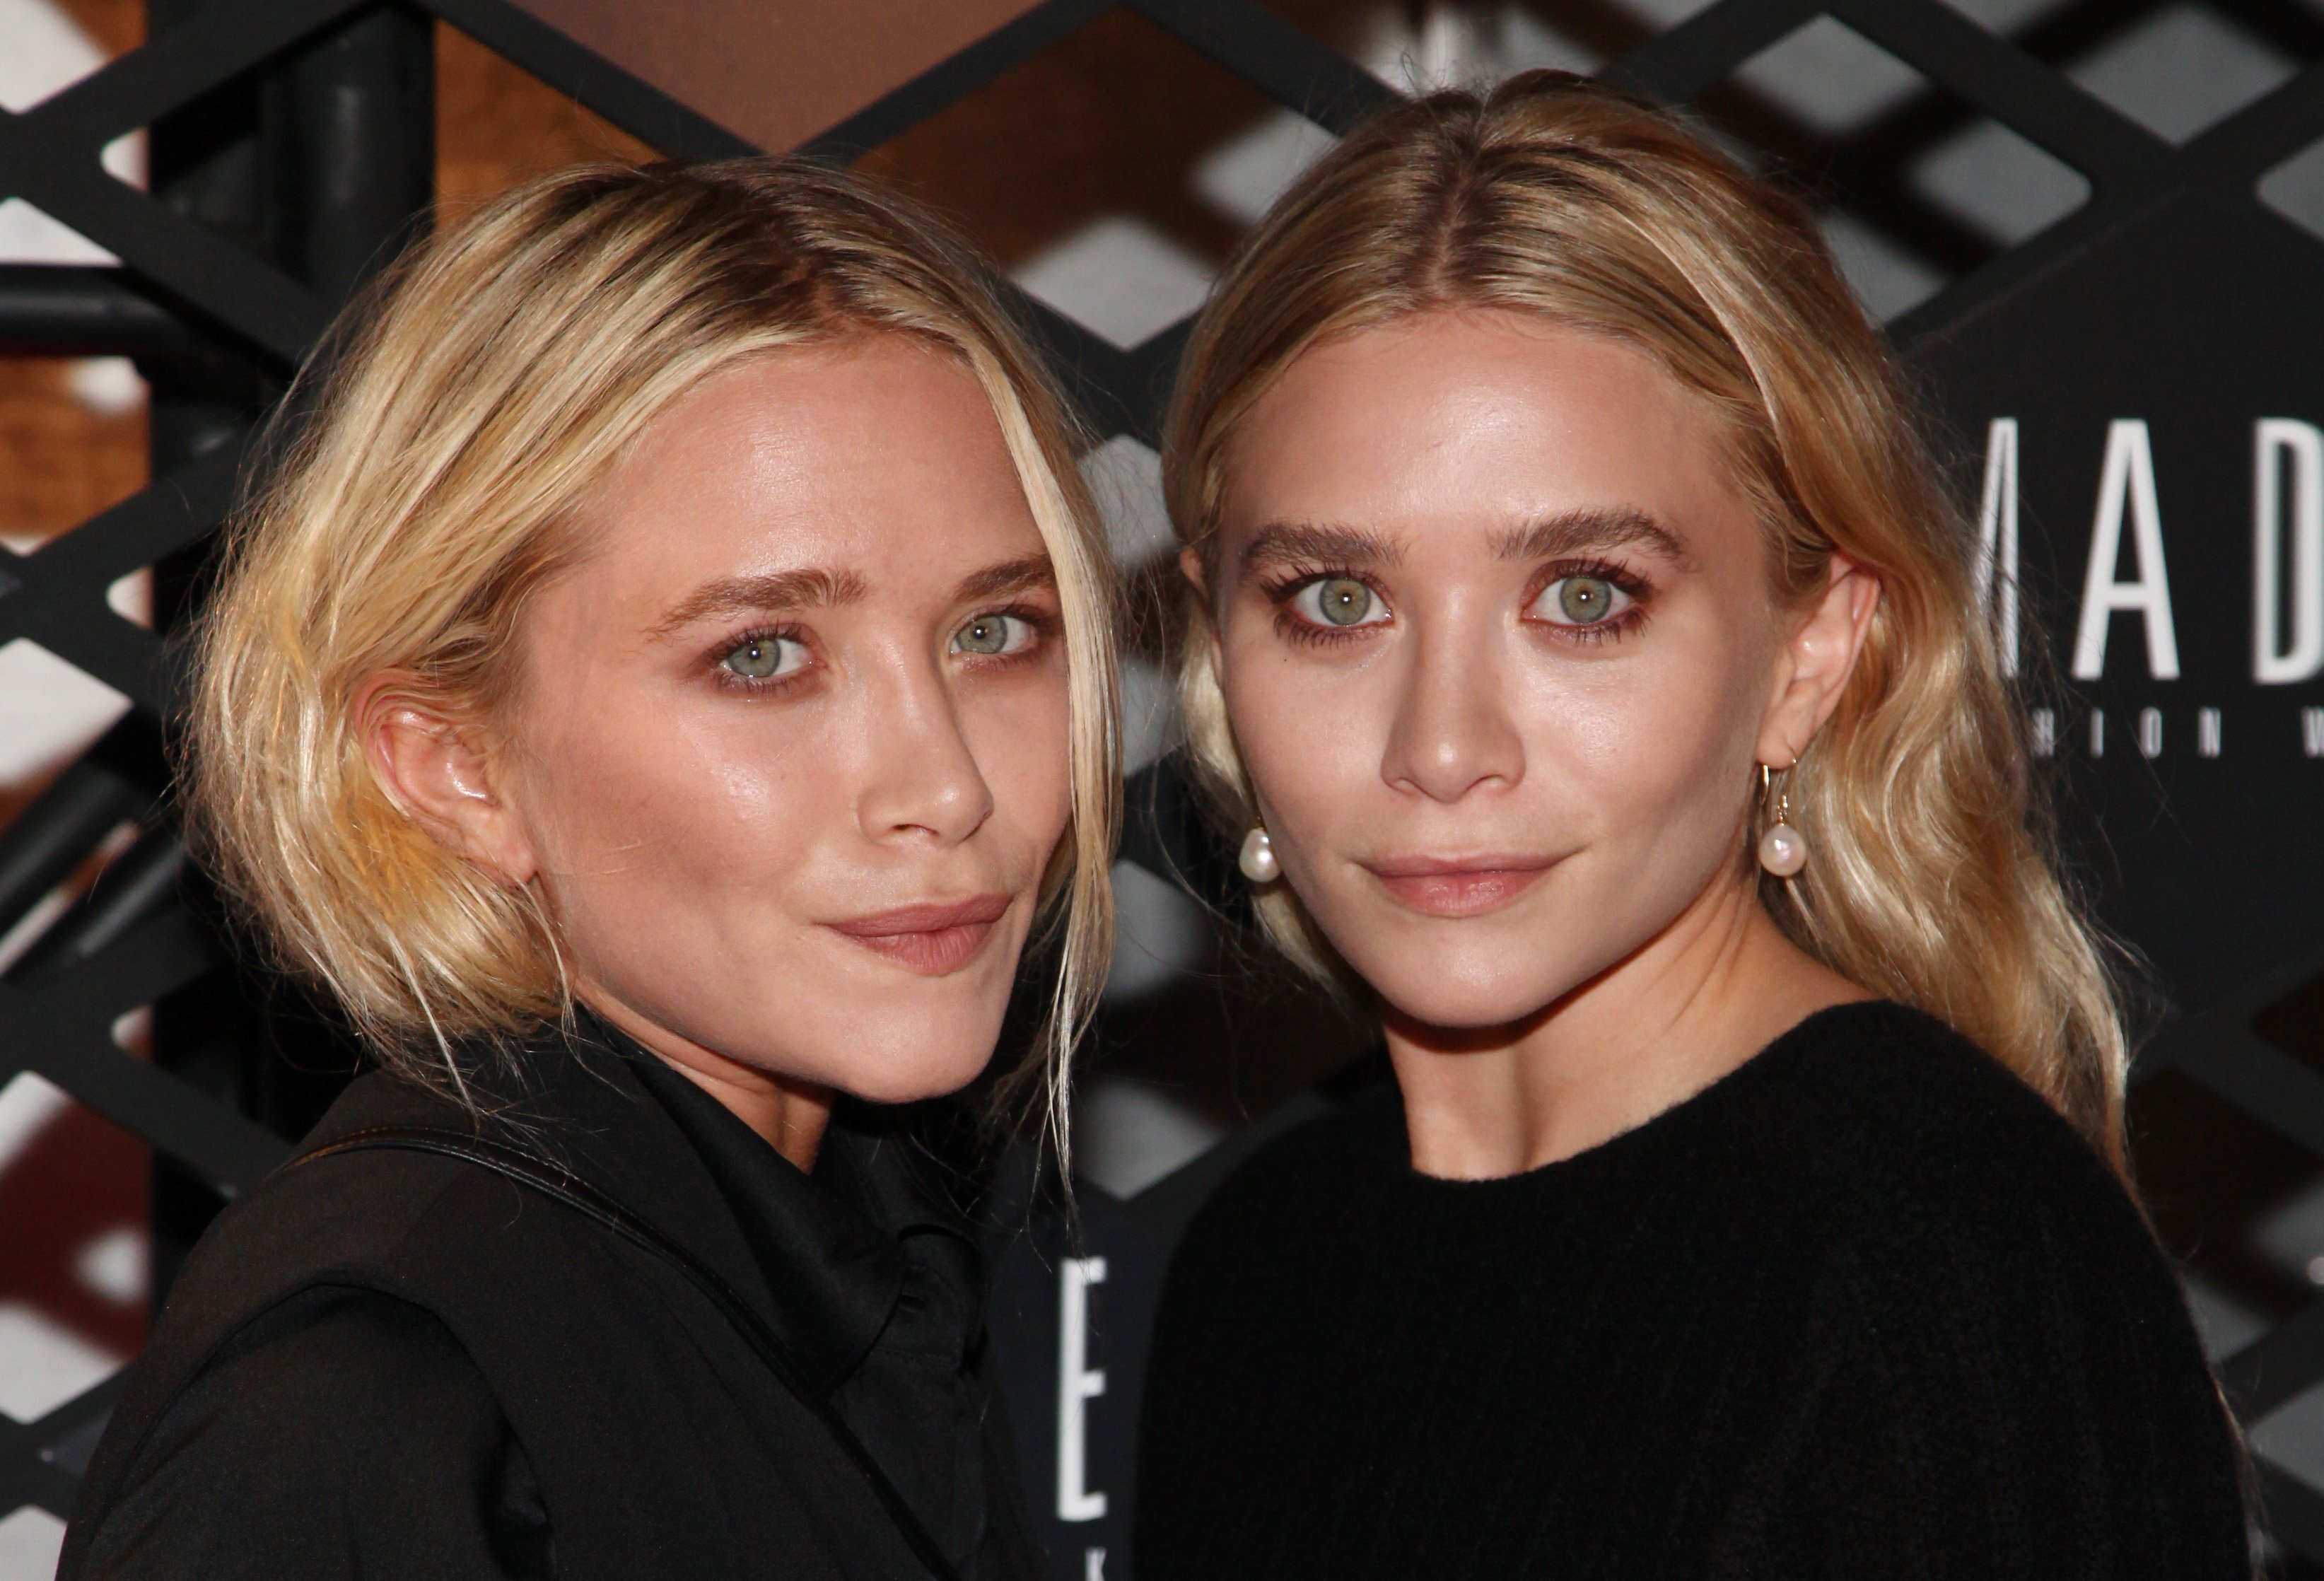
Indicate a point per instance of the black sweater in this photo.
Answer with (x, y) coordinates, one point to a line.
(1866, 1307)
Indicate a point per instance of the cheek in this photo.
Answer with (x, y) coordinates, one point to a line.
(1312, 734)
(1630, 741)
(629, 795)
(1020, 734)
(1654, 755)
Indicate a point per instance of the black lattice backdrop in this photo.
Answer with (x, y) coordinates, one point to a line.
(225, 291)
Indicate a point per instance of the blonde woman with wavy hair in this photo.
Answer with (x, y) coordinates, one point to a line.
(659, 691)
(1585, 654)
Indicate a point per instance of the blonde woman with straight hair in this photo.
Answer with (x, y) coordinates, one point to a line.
(1586, 658)
(662, 688)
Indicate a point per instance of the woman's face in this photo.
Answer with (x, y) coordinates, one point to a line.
(1500, 644)
(788, 758)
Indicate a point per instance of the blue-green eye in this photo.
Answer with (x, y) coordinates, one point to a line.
(1580, 601)
(1339, 602)
(764, 658)
(992, 635)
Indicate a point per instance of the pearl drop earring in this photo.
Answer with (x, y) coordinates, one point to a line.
(1783, 849)
(1258, 858)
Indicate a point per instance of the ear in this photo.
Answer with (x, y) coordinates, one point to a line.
(1190, 566)
(1818, 659)
(438, 769)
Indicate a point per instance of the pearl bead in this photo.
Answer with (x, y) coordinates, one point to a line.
(1258, 859)
(1783, 851)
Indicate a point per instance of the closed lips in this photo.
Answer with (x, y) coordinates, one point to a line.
(1457, 886)
(933, 940)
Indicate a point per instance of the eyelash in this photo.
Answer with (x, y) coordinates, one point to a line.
(1634, 588)
(1045, 624)
(1282, 590)
(1290, 624)
(760, 686)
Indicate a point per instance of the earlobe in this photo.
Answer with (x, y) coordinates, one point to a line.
(432, 767)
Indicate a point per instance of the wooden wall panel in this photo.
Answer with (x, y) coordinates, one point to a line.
(777, 72)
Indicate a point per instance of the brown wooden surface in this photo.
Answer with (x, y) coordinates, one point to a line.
(496, 125)
(777, 72)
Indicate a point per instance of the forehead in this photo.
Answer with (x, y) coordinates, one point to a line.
(1479, 420)
(880, 455)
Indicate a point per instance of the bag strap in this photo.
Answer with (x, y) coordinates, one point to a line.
(537, 1174)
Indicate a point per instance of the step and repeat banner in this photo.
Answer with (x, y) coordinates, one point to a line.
(2149, 413)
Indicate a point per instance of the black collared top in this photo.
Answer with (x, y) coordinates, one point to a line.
(392, 1364)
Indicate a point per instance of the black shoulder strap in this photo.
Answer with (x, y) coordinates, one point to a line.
(539, 1175)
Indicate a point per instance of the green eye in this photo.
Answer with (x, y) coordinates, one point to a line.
(763, 658)
(991, 635)
(1342, 601)
(1582, 600)
(1585, 599)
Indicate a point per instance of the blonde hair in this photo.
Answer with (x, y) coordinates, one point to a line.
(1932, 881)
(494, 380)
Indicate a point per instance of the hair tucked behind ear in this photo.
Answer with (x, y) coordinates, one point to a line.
(492, 381)
(1933, 879)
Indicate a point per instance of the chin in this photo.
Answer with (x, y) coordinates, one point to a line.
(1467, 989)
(909, 1068)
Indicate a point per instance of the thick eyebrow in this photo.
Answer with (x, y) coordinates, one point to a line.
(1283, 544)
(765, 593)
(1015, 575)
(1583, 532)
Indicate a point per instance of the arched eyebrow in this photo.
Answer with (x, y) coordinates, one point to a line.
(1572, 532)
(1289, 543)
(769, 593)
(773, 592)
(1017, 576)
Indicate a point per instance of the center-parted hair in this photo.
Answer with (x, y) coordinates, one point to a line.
(1933, 880)
(486, 386)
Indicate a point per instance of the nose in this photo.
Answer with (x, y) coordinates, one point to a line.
(923, 781)
(1453, 731)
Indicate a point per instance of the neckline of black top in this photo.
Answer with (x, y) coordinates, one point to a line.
(1375, 1117)
(834, 1248)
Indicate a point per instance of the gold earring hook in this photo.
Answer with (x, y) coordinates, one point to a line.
(1769, 791)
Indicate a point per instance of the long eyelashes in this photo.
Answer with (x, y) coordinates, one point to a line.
(731, 659)
(1043, 627)
(1285, 593)
(1048, 624)
(1631, 590)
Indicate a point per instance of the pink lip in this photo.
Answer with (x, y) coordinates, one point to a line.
(933, 940)
(1458, 886)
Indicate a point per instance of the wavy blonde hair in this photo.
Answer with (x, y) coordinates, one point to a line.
(1934, 881)
(486, 389)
